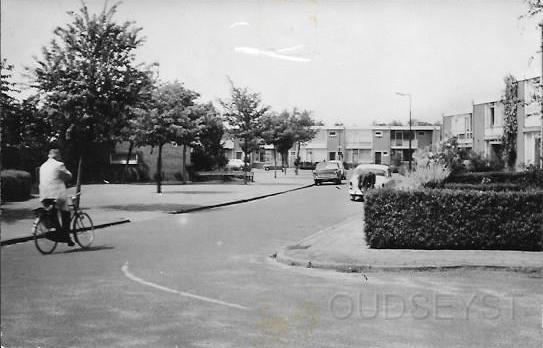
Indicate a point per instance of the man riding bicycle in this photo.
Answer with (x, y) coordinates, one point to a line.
(53, 178)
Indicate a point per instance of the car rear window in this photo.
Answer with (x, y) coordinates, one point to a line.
(327, 165)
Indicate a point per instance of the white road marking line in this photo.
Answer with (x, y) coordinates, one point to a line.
(130, 276)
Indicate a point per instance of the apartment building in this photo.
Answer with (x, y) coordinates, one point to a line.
(529, 137)
(483, 128)
(488, 121)
(377, 144)
(459, 126)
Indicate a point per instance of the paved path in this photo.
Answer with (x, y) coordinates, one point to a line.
(342, 247)
(112, 203)
(205, 279)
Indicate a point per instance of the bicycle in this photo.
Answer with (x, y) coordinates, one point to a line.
(44, 228)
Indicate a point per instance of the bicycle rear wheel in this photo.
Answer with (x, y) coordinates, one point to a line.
(43, 237)
(83, 230)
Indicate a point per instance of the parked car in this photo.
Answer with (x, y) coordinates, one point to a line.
(341, 168)
(327, 171)
(307, 165)
(235, 165)
(271, 166)
(382, 177)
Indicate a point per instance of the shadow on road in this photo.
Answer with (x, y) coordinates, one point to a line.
(12, 215)
(151, 207)
(196, 192)
(92, 248)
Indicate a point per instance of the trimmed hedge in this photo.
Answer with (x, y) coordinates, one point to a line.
(525, 178)
(454, 219)
(487, 187)
(16, 185)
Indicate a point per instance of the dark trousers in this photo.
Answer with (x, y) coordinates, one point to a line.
(64, 229)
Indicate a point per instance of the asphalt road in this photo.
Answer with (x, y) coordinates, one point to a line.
(206, 280)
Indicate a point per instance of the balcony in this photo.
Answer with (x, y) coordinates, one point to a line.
(493, 133)
(403, 144)
(465, 140)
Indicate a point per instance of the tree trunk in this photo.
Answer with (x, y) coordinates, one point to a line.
(78, 181)
(183, 172)
(125, 167)
(245, 162)
(274, 162)
(298, 159)
(159, 170)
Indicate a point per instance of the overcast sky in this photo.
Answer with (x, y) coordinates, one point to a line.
(342, 59)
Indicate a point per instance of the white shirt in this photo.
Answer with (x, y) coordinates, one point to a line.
(53, 177)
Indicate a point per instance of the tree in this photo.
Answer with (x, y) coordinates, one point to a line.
(243, 113)
(276, 131)
(209, 152)
(168, 119)
(6, 85)
(303, 131)
(510, 102)
(88, 79)
(535, 7)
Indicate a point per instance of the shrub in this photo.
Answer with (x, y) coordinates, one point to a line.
(454, 219)
(432, 173)
(476, 162)
(526, 178)
(502, 186)
(16, 185)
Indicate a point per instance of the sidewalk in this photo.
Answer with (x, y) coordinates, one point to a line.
(114, 203)
(342, 248)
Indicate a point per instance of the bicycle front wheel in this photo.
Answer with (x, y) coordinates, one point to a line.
(43, 237)
(83, 230)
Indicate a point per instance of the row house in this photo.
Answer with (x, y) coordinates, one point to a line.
(482, 130)
(377, 144)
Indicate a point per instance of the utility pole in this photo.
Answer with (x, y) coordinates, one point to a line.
(410, 136)
(541, 102)
(410, 107)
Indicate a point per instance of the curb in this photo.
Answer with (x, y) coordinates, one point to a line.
(27, 238)
(358, 268)
(184, 211)
(206, 207)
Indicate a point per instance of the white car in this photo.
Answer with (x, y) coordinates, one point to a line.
(234, 165)
(341, 168)
(382, 176)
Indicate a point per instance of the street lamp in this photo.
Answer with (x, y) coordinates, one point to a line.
(410, 154)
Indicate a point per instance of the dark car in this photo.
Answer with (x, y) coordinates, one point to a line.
(271, 166)
(327, 171)
(307, 165)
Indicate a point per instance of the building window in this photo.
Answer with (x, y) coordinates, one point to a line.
(332, 133)
(406, 153)
(492, 116)
(332, 156)
(239, 154)
(120, 158)
(378, 134)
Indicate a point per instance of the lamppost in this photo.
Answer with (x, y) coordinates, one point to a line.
(410, 154)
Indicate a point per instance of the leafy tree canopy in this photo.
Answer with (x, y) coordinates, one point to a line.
(171, 116)
(243, 114)
(87, 77)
